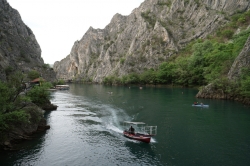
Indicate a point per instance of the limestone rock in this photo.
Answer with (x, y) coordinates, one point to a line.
(145, 38)
(243, 60)
(18, 46)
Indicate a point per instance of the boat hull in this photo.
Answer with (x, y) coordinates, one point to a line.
(137, 136)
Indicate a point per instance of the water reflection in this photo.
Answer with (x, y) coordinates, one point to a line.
(30, 151)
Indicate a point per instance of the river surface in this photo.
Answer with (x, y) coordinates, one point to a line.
(86, 129)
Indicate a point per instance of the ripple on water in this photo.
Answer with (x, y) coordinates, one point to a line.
(85, 132)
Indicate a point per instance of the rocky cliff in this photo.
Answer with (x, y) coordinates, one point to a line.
(19, 49)
(242, 61)
(145, 38)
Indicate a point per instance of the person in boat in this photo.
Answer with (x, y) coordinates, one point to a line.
(131, 130)
(201, 104)
(195, 103)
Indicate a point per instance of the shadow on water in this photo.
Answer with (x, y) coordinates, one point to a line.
(25, 148)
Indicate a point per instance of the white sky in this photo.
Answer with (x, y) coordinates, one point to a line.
(57, 24)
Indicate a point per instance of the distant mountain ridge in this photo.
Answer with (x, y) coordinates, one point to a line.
(145, 38)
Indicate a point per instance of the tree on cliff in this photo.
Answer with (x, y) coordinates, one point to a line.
(39, 94)
(14, 97)
(10, 97)
(14, 101)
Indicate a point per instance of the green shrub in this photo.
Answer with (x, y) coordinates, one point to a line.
(242, 20)
(46, 66)
(60, 82)
(13, 118)
(5, 97)
(149, 76)
(149, 17)
(10, 97)
(163, 3)
(165, 74)
(8, 70)
(39, 94)
(33, 74)
(122, 60)
(107, 80)
(227, 34)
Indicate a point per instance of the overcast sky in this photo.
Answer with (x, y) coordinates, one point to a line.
(57, 24)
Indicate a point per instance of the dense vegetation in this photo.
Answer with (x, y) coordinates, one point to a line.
(15, 99)
(202, 62)
(33, 74)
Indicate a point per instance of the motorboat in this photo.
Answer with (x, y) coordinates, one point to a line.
(139, 131)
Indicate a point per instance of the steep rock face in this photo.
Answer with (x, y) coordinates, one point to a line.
(229, 6)
(148, 36)
(18, 46)
(242, 61)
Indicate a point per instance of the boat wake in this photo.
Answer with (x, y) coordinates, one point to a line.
(95, 115)
(112, 122)
(114, 128)
(153, 140)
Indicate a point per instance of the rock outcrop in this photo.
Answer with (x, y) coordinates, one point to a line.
(242, 61)
(211, 92)
(145, 38)
(19, 49)
(19, 132)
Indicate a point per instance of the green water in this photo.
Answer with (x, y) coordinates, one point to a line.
(87, 130)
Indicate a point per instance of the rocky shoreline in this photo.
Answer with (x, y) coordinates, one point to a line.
(208, 92)
(24, 132)
(242, 61)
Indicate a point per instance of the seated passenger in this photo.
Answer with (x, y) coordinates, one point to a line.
(131, 130)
